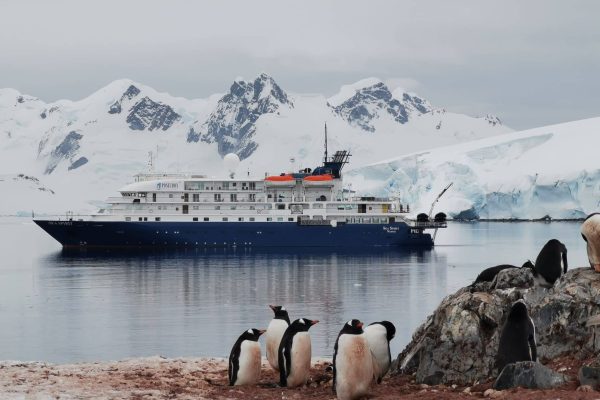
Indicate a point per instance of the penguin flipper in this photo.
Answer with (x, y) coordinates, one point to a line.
(564, 258)
(234, 363)
(282, 369)
(532, 347)
(335, 350)
(284, 358)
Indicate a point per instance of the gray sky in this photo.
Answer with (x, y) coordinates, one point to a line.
(531, 63)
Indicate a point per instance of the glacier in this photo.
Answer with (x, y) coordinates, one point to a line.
(548, 172)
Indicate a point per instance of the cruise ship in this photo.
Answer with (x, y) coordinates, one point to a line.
(306, 208)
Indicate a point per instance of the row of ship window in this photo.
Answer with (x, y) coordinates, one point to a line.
(218, 197)
(354, 220)
(224, 186)
(279, 207)
(224, 219)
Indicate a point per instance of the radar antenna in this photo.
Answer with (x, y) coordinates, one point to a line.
(325, 142)
(150, 162)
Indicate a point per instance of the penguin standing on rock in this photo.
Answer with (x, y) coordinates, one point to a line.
(551, 263)
(379, 335)
(275, 332)
(590, 232)
(294, 353)
(517, 340)
(353, 363)
(245, 359)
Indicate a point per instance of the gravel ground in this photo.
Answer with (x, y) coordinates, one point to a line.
(206, 378)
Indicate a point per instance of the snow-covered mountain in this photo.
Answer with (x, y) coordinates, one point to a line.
(366, 102)
(550, 171)
(85, 150)
(233, 123)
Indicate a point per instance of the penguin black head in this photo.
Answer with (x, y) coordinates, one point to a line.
(352, 327)
(528, 264)
(252, 334)
(280, 313)
(590, 232)
(518, 311)
(302, 324)
(389, 328)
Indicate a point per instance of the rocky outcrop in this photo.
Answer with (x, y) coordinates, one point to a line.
(458, 342)
(129, 94)
(375, 99)
(81, 161)
(589, 375)
(530, 375)
(150, 115)
(232, 124)
(66, 150)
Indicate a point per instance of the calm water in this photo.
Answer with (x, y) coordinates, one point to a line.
(80, 307)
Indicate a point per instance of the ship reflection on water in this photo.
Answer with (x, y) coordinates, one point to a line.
(195, 302)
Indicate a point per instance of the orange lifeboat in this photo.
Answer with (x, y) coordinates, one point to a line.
(319, 178)
(279, 178)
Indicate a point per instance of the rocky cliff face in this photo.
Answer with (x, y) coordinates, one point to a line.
(129, 94)
(66, 150)
(375, 100)
(151, 115)
(459, 341)
(232, 124)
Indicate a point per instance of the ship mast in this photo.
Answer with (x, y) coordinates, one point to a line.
(325, 142)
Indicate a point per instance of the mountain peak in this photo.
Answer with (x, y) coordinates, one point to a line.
(128, 94)
(364, 102)
(232, 124)
(348, 91)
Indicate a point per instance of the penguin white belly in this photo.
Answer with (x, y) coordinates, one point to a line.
(353, 366)
(377, 338)
(249, 369)
(273, 336)
(301, 353)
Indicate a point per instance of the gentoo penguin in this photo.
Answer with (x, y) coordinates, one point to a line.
(379, 335)
(551, 263)
(590, 231)
(275, 332)
(353, 364)
(294, 353)
(244, 360)
(488, 274)
(517, 340)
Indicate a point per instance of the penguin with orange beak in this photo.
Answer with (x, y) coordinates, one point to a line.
(295, 353)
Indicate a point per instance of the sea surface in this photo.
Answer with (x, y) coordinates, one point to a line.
(71, 307)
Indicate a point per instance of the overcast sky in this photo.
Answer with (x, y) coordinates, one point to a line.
(531, 63)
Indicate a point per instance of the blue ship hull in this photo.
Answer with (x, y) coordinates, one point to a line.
(231, 234)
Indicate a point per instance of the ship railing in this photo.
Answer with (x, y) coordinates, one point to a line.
(68, 216)
(371, 198)
(429, 224)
